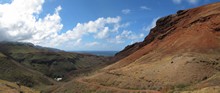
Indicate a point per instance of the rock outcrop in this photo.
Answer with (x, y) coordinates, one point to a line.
(180, 53)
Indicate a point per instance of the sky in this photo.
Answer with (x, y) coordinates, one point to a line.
(85, 25)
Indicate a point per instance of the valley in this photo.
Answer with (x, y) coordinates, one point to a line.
(36, 67)
(181, 54)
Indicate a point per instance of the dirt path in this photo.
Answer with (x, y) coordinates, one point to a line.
(120, 90)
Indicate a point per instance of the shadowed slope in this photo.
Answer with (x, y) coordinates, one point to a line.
(13, 71)
(38, 67)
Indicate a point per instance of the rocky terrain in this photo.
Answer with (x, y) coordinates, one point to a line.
(180, 54)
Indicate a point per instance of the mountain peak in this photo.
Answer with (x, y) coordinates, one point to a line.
(204, 19)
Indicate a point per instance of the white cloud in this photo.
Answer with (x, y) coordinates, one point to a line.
(126, 24)
(189, 1)
(145, 8)
(103, 34)
(78, 41)
(127, 35)
(141, 35)
(152, 25)
(126, 11)
(98, 27)
(91, 44)
(19, 22)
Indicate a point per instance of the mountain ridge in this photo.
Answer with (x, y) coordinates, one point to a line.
(180, 54)
(36, 66)
(162, 29)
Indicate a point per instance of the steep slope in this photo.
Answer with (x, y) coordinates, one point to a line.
(180, 53)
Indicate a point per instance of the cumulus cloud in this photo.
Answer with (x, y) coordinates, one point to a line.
(19, 22)
(145, 8)
(91, 44)
(100, 28)
(189, 1)
(103, 33)
(126, 11)
(78, 42)
(127, 35)
(151, 25)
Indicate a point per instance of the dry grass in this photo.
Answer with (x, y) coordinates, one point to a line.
(9, 87)
(212, 89)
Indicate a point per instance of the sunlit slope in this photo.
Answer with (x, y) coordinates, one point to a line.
(9, 87)
(180, 53)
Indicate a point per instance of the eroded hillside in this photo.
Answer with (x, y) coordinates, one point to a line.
(180, 54)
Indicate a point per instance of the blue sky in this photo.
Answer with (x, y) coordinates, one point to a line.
(76, 25)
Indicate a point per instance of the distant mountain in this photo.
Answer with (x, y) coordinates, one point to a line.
(180, 54)
(30, 45)
(36, 66)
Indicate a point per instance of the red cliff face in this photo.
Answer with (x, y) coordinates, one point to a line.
(178, 51)
(181, 53)
(196, 22)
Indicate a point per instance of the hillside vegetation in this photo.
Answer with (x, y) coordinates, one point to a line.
(36, 66)
(9, 87)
